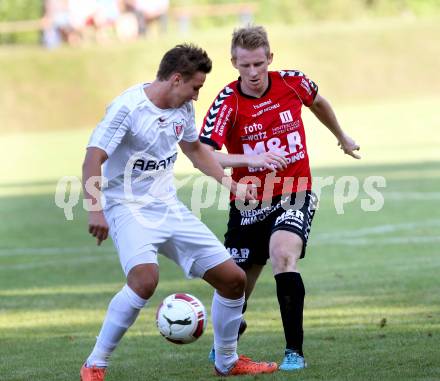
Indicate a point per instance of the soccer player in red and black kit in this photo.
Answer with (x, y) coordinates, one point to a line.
(258, 119)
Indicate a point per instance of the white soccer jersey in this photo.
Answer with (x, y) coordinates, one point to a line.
(140, 140)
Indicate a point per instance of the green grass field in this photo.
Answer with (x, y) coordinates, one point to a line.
(361, 268)
(372, 278)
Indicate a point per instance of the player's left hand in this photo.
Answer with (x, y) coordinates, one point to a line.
(348, 145)
(98, 226)
(268, 160)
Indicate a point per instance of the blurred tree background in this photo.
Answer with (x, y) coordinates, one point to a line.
(301, 11)
(269, 11)
(13, 10)
(18, 10)
(372, 44)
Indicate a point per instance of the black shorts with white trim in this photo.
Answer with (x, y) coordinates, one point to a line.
(249, 229)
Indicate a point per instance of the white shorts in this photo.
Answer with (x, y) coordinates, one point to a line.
(139, 233)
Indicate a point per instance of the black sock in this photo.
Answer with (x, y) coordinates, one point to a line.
(290, 293)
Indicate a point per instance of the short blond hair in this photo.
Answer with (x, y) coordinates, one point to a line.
(250, 37)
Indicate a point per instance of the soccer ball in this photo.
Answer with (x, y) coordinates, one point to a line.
(181, 318)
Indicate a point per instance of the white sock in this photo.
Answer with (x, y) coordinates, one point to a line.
(121, 314)
(226, 318)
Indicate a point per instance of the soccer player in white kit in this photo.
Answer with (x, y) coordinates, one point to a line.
(136, 144)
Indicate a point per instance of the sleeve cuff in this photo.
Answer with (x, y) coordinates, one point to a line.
(210, 142)
(100, 147)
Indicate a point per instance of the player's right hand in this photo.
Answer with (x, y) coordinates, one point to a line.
(267, 160)
(348, 145)
(98, 226)
(251, 192)
(247, 192)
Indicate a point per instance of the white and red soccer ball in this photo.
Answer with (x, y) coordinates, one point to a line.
(181, 318)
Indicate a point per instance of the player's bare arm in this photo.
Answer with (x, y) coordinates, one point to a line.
(98, 226)
(324, 112)
(203, 159)
(268, 160)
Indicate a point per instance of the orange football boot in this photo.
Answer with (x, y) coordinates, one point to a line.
(92, 374)
(245, 366)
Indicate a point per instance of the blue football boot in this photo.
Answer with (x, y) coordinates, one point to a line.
(292, 361)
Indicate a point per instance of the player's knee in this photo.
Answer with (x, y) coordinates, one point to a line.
(143, 287)
(235, 285)
(143, 281)
(240, 282)
(284, 258)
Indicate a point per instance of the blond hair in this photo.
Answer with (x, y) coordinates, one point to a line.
(250, 37)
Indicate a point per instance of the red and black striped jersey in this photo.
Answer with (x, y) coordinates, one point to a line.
(249, 125)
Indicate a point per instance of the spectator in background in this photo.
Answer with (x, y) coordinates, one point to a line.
(147, 11)
(105, 17)
(56, 23)
(81, 16)
(127, 28)
(73, 21)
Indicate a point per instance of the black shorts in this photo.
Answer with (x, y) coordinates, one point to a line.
(249, 232)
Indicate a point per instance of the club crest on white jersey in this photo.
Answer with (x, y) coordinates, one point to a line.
(178, 129)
